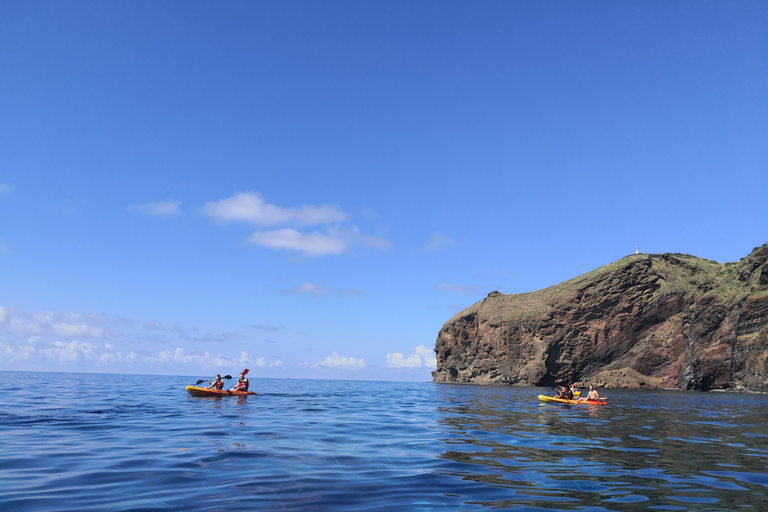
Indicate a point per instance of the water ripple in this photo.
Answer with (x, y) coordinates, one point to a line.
(374, 446)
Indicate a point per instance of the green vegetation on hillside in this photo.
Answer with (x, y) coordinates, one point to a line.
(679, 273)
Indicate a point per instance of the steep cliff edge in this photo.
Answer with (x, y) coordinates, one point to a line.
(647, 320)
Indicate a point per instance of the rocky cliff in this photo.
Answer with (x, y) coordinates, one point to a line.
(647, 320)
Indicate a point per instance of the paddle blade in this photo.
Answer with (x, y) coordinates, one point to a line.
(227, 377)
(198, 382)
(245, 372)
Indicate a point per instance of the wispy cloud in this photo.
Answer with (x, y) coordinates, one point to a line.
(330, 239)
(438, 242)
(333, 241)
(313, 244)
(168, 208)
(421, 357)
(69, 354)
(308, 288)
(337, 361)
(267, 327)
(456, 288)
(65, 325)
(262, 363)
(204, 360)
(194, 334)
(154, 325)
(250, 207)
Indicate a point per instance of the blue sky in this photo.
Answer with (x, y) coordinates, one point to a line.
(311, 189)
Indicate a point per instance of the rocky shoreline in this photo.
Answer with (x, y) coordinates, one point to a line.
(662, 321)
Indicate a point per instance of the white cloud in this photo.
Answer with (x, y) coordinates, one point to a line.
(57, 351)
(67, 325)
(200, 360)
(344, 363)
(313, 244)
(154, 325)
(428, 354)
(309, 288)
(249, 207)
(77, 330)
(437, 242)
(421, 356)
(456, 288)
(244, 358)
(167, 208)
(398, 360)
(50, 339)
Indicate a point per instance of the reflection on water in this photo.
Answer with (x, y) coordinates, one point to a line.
(117, 444)
(664, 450)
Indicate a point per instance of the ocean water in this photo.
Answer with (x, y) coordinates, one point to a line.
(113, 443)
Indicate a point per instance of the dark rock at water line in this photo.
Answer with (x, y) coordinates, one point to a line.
(645, 321)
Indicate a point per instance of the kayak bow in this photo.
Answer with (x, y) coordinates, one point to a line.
(195, 391)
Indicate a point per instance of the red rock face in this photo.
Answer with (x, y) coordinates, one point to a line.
(656, 321)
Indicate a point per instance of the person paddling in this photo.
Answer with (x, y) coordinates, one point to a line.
(217, 384)
(242, 382)
(565, 393)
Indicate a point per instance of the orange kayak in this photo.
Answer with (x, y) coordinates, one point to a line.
(552, 400)
(195, 391)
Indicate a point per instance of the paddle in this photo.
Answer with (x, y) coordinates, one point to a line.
(203, 380)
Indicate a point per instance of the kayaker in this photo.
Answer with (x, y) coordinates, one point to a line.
(565, 393)
(592, 395)
(217, 383)
(242, 383)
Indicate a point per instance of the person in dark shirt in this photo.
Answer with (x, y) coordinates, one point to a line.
(565, 393)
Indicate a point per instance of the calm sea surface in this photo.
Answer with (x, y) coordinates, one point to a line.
(122, 442)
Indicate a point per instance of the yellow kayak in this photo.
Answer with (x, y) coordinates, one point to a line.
(553, 400)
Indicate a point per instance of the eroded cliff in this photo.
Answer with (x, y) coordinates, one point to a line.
(647, 320)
